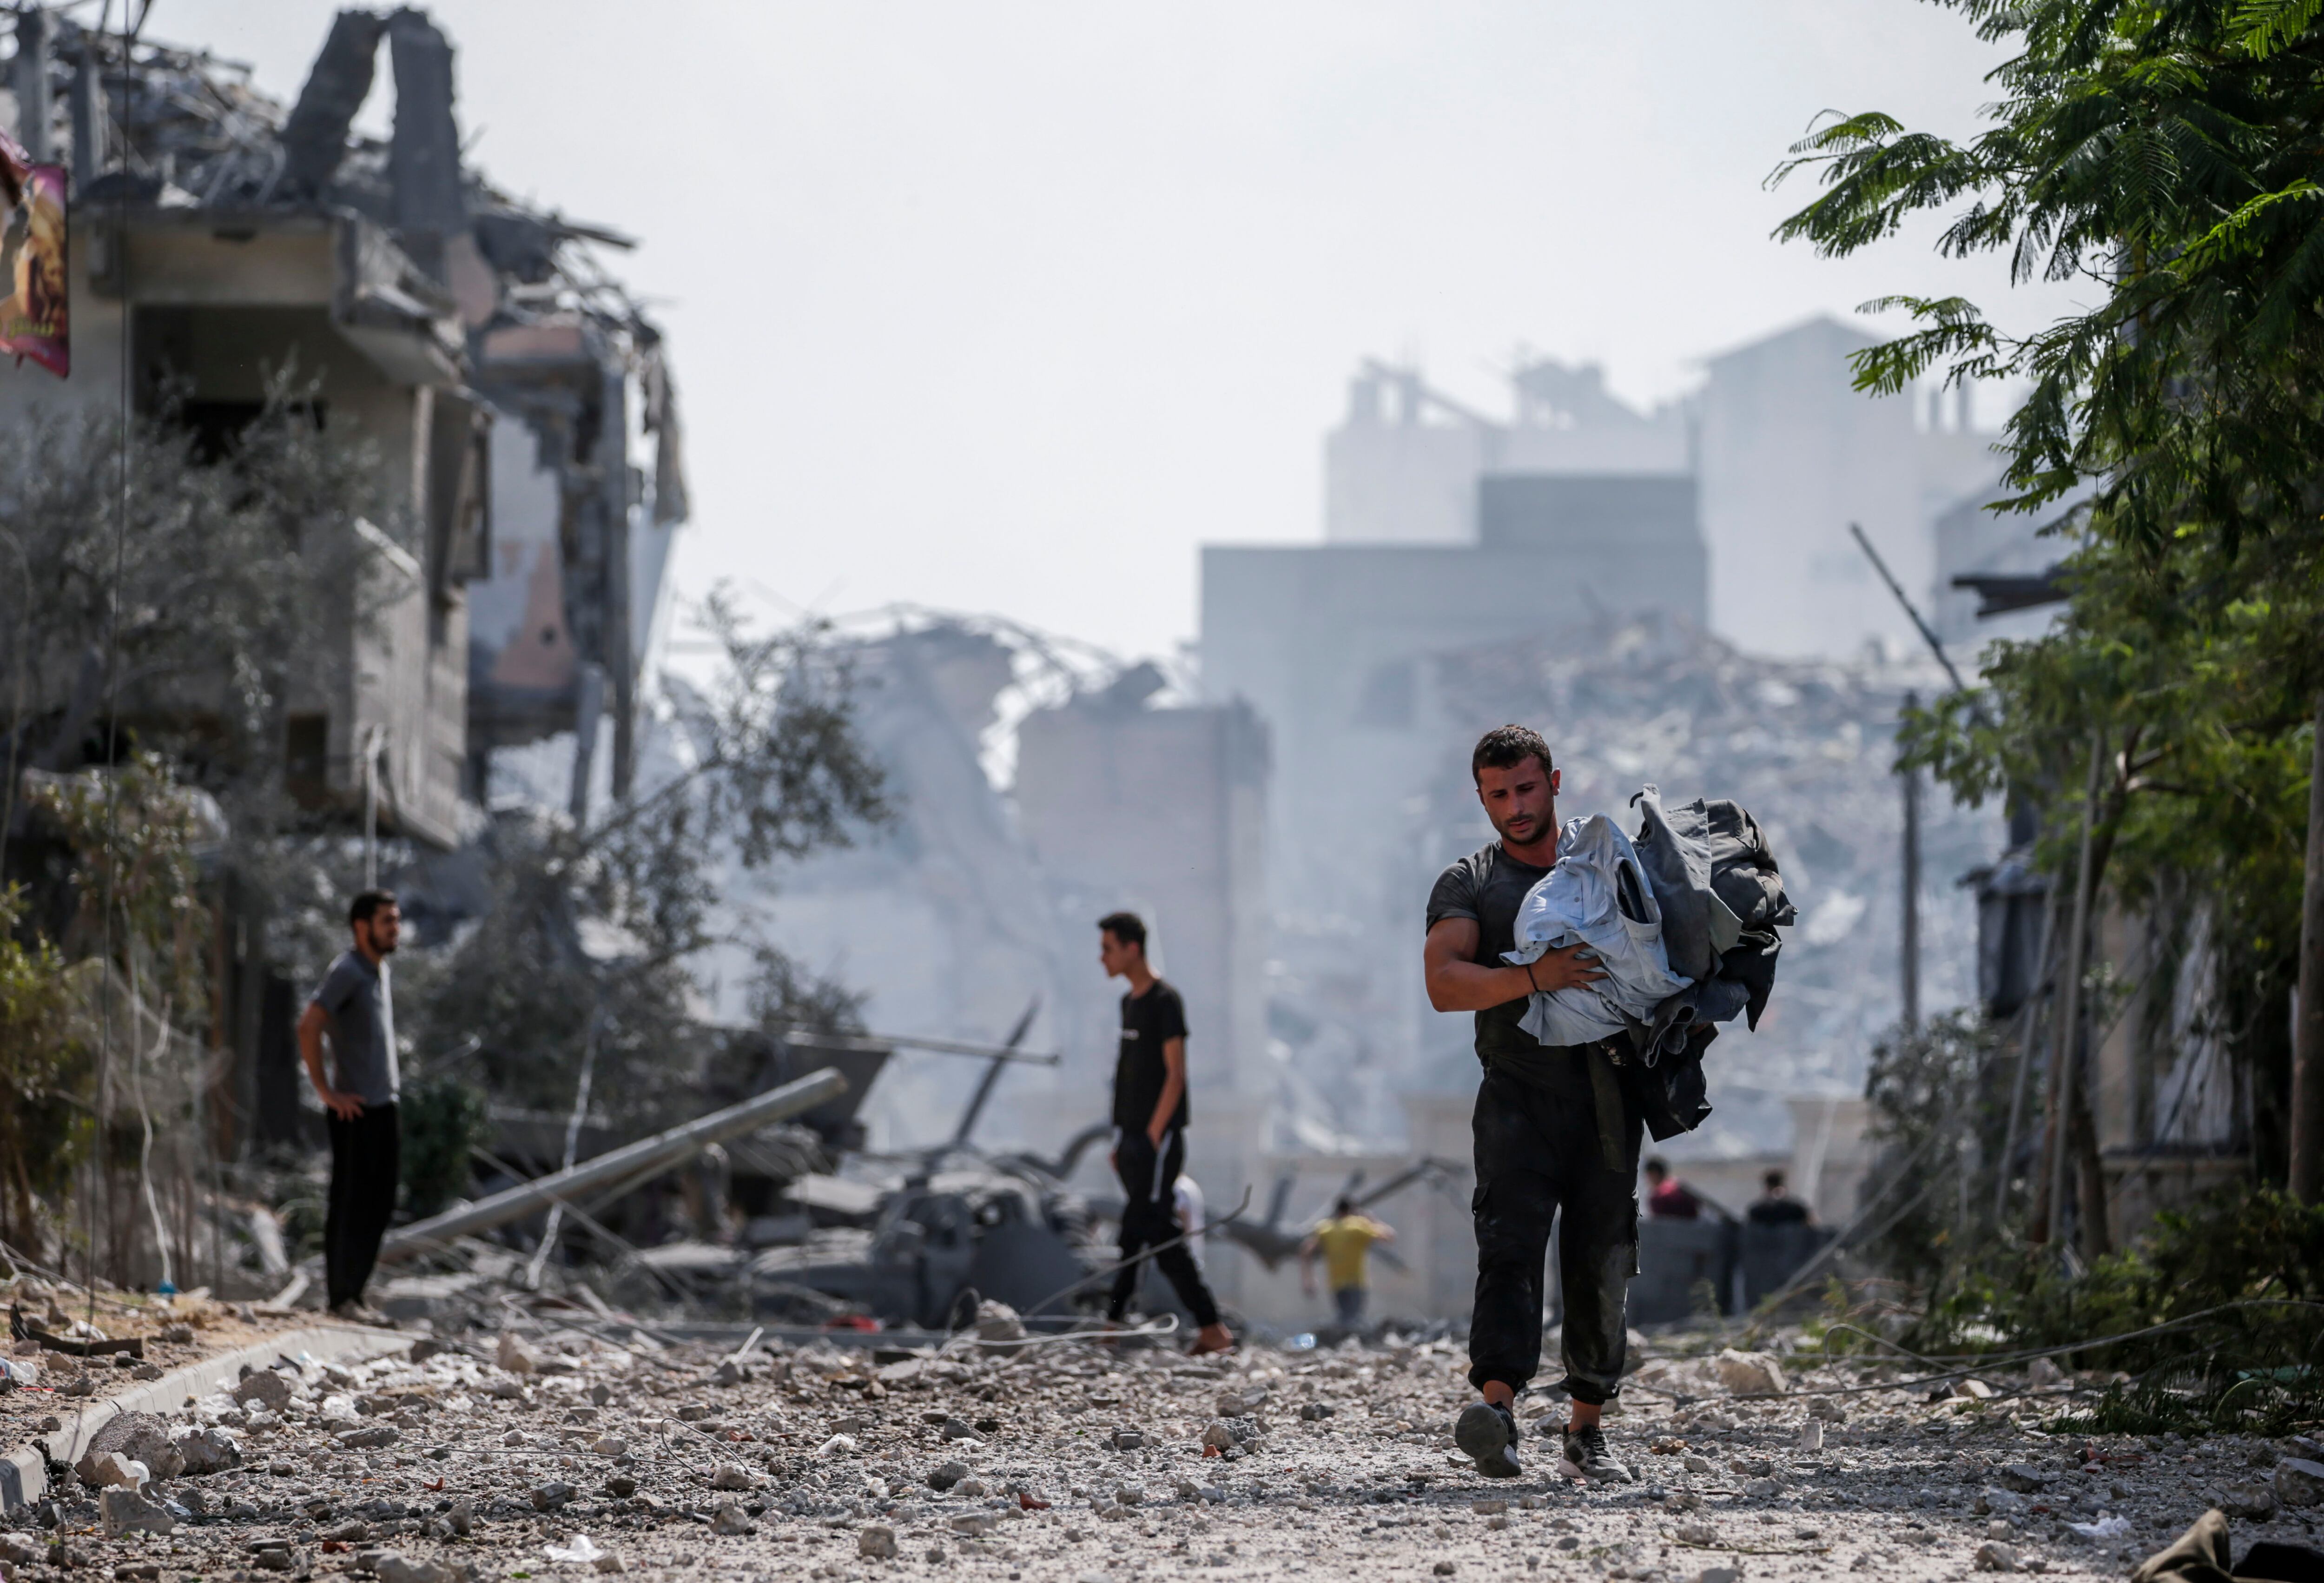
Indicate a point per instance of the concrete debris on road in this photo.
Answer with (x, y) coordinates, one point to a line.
(1751, 1373)
(647, 1456)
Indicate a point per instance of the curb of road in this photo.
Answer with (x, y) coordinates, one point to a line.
(24, 1471)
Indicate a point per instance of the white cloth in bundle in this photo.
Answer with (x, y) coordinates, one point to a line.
(1597, 894)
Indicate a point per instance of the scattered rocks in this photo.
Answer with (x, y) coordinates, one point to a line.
(1242, 1402)
(2252, 1501)
(2299, 1482)
(263, 1388)
(998, 1323)
(1751, 1373)
(112, 1470)
(126, 1511)
(2045, 1374)
(1357, 1467)
(392, 1567)
(2025, 1478)
(141, 1438)
(203, 1452)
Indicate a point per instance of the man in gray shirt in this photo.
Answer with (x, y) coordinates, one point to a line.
(354, 1009)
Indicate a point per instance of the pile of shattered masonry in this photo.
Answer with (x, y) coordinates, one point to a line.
(220, 1444)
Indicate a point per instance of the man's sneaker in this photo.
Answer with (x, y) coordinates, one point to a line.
(1486, 1434)
(1585, 1458)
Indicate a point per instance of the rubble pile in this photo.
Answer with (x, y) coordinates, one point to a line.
(549, 1450)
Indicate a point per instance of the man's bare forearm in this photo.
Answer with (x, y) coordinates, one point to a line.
(1174, 1088)
(1470, 987)
(310, 1051)
(1159, 1123)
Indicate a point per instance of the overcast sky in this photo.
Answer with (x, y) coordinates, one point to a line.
(1010, 307)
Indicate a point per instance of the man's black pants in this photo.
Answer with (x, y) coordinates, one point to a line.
(1149, 1181)
(367, 1160)
(1540, 1147)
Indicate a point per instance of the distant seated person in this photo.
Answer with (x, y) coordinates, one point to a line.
(1667, 1197)
(1777, 1208)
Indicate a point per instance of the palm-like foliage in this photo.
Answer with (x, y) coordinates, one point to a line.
(2167, 154)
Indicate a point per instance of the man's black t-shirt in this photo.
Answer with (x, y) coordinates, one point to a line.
(1139, 1071)
(1487, 886)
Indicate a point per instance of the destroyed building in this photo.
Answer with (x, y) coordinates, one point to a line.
(520, 401)
(524, 401)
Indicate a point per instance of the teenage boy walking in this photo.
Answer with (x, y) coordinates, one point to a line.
(1150, 1129)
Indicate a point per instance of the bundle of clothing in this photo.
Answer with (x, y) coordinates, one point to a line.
(1681, 919)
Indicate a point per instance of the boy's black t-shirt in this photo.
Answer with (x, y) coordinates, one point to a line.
(1139, 1071)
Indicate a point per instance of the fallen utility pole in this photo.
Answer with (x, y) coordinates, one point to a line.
(629, 1167)
(815, 1039)
(984, 1088)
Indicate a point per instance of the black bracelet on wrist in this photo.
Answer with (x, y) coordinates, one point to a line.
(1531, 979)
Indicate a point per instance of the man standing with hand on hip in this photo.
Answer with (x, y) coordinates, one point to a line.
(1150, 1130)
(1552, 1131)
(355, 1007)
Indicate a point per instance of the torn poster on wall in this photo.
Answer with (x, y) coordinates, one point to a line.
(33, 321)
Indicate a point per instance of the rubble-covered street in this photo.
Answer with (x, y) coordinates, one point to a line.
(580, 1445)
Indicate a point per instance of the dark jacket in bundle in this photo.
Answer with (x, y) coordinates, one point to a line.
(1721, 897)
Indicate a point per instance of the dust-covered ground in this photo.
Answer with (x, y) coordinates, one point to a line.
(557, 1451)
